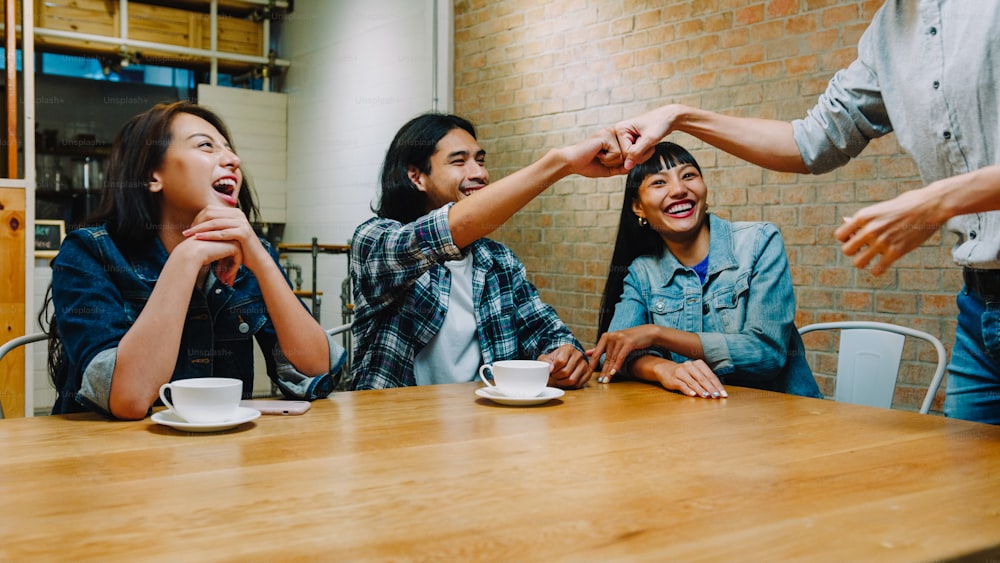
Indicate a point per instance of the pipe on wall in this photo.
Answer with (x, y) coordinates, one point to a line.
(11, 55)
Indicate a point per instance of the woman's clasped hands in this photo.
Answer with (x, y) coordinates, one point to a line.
(223, 236)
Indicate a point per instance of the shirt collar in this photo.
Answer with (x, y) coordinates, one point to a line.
(720, 249)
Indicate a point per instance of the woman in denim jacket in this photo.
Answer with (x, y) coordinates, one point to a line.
(171, 282)
(693, 301)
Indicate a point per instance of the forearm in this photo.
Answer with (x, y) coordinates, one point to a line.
(303, 341)
(768, 143)
(680, 342)
(147, 353)
(973, 192)
(483, 212)
(647, 368)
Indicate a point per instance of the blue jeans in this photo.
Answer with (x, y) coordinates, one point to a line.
(973, 389)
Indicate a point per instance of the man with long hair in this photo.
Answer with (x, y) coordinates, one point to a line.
(434, 298)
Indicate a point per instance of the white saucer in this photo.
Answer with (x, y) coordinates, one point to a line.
(545, 396)
(168, 418)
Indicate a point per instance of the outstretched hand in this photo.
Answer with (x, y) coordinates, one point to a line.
(887, 231)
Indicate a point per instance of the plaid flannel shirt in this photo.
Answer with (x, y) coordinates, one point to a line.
(401, 290)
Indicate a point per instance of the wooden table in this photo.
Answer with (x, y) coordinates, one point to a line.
(625, 471)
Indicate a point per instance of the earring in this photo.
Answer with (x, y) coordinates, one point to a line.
(643, 222)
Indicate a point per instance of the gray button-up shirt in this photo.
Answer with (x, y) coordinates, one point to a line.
(928, 70)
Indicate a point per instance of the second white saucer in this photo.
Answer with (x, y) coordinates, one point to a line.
(545, 396)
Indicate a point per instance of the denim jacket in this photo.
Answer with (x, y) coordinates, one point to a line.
(744, 314)
(99, 289)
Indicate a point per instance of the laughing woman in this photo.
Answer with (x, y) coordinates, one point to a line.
(170, 281)
(694, 302)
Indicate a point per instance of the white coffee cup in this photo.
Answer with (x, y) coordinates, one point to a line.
(204, 399)
(517, 378)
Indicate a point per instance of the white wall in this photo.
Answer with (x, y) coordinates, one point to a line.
(359, 70)
(257, 123)
(44, 394)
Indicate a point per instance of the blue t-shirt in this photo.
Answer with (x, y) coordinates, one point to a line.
(701, 268)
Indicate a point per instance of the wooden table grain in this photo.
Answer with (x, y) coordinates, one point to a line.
(625, 471)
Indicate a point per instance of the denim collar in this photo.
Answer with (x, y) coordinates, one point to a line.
(720, 250)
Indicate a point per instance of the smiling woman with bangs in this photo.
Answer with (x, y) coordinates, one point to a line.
(692, 301)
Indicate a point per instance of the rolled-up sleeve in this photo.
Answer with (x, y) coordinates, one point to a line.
(388, 255)
(760, 347)
(95, 388)
(296, 385)
(848, 115)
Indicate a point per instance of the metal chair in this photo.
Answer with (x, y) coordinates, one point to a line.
(15, 343)
(339, 329)
(345, 330)
(868, 361)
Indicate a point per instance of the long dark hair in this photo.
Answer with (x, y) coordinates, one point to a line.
(635, 240)
(129, 210)
(413, 145)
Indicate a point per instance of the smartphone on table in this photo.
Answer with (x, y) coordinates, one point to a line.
(268, 406)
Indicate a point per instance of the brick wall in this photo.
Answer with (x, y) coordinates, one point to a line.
(535, 74)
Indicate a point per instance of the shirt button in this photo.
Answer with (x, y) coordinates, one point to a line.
(932, 31)
(972, 234)
(659, 307)
(218, 290)
(244, 328)
(937, 84)
(947, 135)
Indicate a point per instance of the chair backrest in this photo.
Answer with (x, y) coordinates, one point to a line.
(339, 329)
(17, 342)
(868, 361)
(345, 330)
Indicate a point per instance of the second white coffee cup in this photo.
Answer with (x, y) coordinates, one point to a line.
(203, 400)
(517, 378)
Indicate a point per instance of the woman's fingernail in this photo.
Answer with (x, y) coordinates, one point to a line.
(602, 379)
(612, 372)
(715, 395)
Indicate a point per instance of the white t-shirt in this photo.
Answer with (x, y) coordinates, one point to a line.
(453, 355)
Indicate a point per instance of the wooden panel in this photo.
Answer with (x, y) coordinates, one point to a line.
(157, 24)
(84, 16)
(257, 122)
(160, 25)
(12, 240)
(235, 36)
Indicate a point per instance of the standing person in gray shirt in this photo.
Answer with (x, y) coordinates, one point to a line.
(928, 70)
